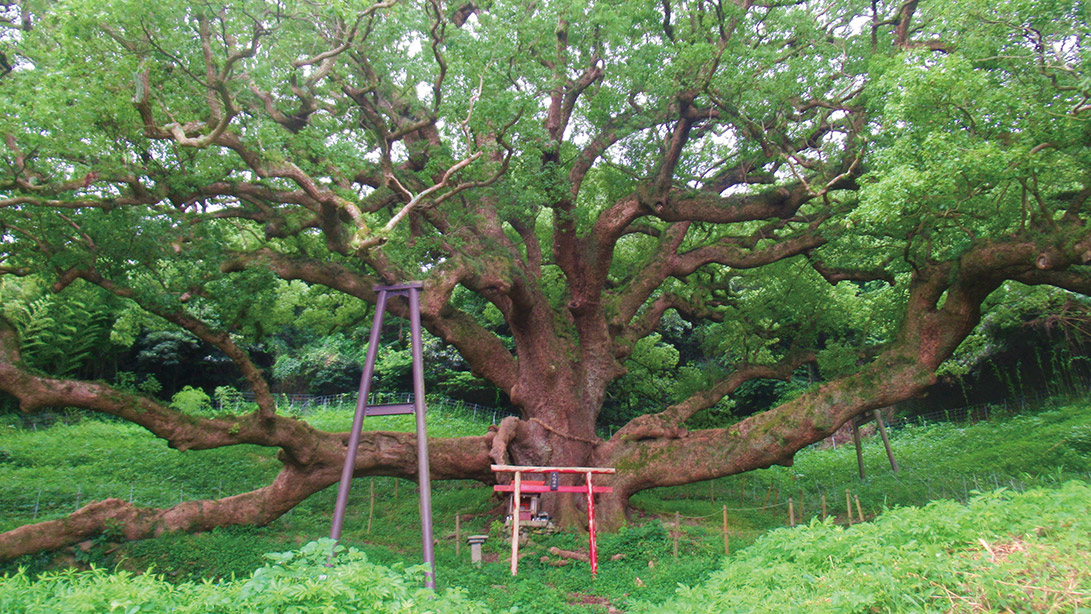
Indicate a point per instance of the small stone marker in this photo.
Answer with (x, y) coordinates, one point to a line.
(475, 542)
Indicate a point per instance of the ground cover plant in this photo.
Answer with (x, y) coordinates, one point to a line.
(1045, 446)
(1004, 551)
(1001, 552)
(715, 194)
(294, 582)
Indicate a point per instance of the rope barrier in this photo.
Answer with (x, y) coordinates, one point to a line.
(764, 507)
(696, 517)
(735, 509)
(562, 434)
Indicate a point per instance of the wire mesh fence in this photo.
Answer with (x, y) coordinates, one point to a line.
(305, 404)
(47, 500)
(1007, 406)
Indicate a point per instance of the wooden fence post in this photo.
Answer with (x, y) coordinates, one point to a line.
(371, 504)
(677, 530)
(727, 547)
(859, 450)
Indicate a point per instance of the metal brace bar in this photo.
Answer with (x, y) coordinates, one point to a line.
(412, 291)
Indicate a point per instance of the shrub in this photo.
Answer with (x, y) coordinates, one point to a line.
(192, 401)
(295, 582)
(940, 557)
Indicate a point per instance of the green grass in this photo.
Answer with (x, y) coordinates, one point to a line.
(936, 461)
(94, 459)
(1003, 551)
(291, 582)
(50, 472)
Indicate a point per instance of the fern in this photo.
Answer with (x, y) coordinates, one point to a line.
(59, 336)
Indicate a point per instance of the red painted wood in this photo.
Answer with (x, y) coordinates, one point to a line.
(591, 526)
(542, 488)
(519, 487)
(536, 469)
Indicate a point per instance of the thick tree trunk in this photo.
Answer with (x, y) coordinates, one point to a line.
(541, 442)
(560, 399)
(259, 507)
(943, 308)
(380, 453)
(312, 459)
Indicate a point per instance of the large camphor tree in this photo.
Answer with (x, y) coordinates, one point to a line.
(831, 183)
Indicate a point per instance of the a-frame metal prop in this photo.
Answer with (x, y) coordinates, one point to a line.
(410, 290)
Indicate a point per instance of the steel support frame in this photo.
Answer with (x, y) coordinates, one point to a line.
(411, 291)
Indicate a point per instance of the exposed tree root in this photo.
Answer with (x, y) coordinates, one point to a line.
(570, 554)
(504, 435)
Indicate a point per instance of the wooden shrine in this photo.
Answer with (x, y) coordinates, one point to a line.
(518, 488)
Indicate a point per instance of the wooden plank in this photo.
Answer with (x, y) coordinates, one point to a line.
(515, 524)
(534, 469)
(393, 409)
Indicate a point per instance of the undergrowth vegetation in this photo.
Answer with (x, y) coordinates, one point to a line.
(936, 461)
(1004, 551)
(49, 472)
(290, 582)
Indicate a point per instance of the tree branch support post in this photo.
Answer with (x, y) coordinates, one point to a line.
(424, 476)
(411, 291)
(859, 450)
(886, 441)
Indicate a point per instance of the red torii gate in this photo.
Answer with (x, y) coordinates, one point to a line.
(517, 488)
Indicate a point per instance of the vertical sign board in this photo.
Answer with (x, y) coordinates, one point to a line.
(410, 290)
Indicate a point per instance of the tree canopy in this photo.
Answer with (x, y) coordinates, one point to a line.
(836, 184)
